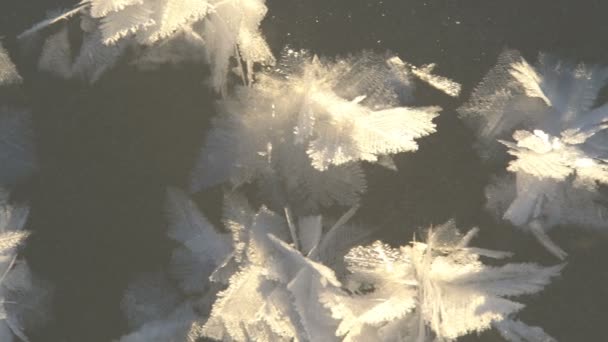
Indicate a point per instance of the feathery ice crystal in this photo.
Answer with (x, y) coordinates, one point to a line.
(438, 290)
(301, 131)
(155, 32)
(306, 287)
(15, 279)
(272, 286)
(157, 310)
(560, 143)
(275, 294)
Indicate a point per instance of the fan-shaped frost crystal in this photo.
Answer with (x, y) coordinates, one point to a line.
(274, 294)
(12, 219)
(169, 306)
(559, 141)
(436, 290)
(8, 71)
(301, 130)
(203, 248)
(257, 304)
(24, 298)
(154, 31)
(433, 291)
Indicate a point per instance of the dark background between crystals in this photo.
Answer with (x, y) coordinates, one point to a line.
(107, 152)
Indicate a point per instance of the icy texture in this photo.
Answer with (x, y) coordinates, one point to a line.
(157, 31)
(166, 306)
(558, 142)
(174, 328)
(434, 291)
(301, 131)
(274, 288)
(91, 61)
(202, 247)
(274, 295)
(425, 73)
(8, 71)
(284, 282)
(12, 220)
(25, 299)
(149, 297)
(516, 331)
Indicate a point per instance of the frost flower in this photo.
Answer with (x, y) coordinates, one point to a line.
(559, 148)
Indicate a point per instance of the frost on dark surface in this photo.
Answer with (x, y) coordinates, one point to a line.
(155, 311)
(165, 305)
(437, 290)
(275, 293)
(300, 132)
(284, 286)
(8, 72)
(547, 118)
(202, 248)
(157, 227)
(155, 32)
(24, 297)
(255, 287)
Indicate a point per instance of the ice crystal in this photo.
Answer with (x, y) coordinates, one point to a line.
(154, 30)
(302, 130)
(559, 148)
(436, 290)
(275, 293)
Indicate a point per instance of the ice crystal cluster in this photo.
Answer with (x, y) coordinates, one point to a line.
(302, 130)
(267, 286)
(23, 297)
(155, 32)
(283, 271)
(434, 290)
(291, 261)
(547, 118)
